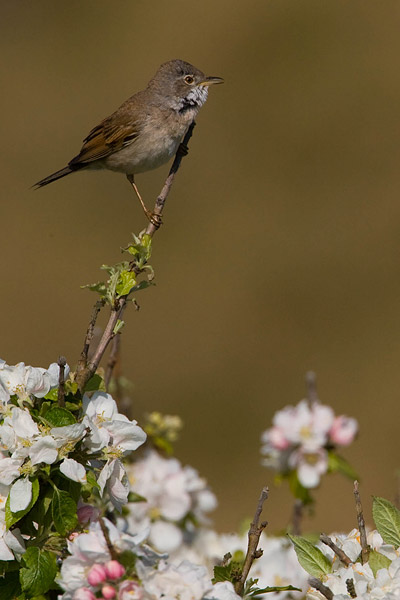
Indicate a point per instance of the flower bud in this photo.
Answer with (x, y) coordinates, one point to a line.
(114, 569)
(87, 513)
(108, 591)
(96, 575)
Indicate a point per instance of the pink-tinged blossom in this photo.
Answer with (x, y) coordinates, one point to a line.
(130, 590)
(113, 476)
(300, 438)
(343, 431)
(83, 594)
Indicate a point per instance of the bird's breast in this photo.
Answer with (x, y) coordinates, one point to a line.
(155, 145)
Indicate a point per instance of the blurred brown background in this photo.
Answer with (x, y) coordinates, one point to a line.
(280, 248)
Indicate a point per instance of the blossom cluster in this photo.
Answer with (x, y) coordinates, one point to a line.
(38, 449)
(303, 438)
(90, 571)
(376, 579)
(174, 500)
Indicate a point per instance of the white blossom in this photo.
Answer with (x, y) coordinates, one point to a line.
(182, 582)
(73, 470)
(20, 494)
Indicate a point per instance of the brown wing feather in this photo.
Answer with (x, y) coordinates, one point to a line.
(109, 136)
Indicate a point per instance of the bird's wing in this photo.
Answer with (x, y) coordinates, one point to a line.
(108, 137)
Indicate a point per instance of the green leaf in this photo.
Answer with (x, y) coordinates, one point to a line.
(95, 383)
(118, 326)
(134, 497)
(126, 282)
(337, 464)
(52, 395)
(387, 520)
(60, 417)
(10, 587)
(128, 560)
(37, 576)
(64, 510)
(11, 517)
(310, 557)
(230, 572)
(378, 561)
(99, 287)
(142, 285)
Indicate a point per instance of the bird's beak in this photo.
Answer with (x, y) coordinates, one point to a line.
(211, 80)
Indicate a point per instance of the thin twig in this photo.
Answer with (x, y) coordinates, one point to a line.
(254, 534)
(318, 585)
(62, 361)
(87, 369)
(311, 384)
(297, 517)
(111, 549)
(112, 359)
(342, 556)
(89, 335)
(361, 525)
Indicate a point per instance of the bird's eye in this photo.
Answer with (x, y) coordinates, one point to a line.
(189, 79)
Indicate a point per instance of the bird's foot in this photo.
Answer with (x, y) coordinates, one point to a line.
(154, 218)
(183, 149)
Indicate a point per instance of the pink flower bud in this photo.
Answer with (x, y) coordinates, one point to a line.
(114, 569)
(86, 513)
(130, 590)
(96, 575)
(84, 594)
(108, 591)
(343, 430)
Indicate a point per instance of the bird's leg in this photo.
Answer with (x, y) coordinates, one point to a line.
(152, 217)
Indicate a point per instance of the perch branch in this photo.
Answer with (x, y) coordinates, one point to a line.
(361, 525)
(87, 369)
(254, 534)
(342, 556)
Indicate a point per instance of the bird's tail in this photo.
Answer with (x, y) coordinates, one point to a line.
(54, 176)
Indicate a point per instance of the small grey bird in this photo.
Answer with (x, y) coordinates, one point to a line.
(146, 130)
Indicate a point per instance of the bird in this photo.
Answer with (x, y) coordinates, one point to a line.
(146, 130)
